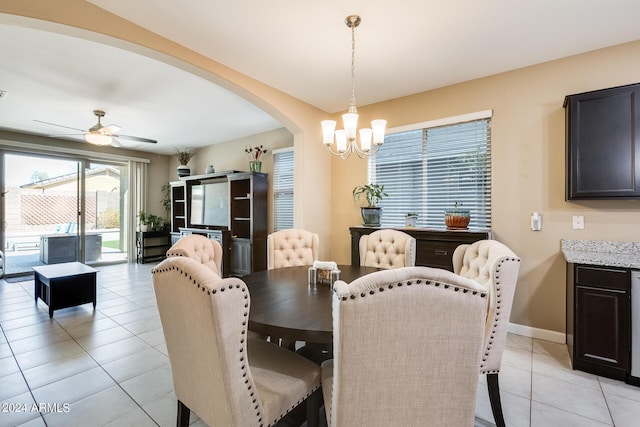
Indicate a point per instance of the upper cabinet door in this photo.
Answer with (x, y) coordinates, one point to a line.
(602, 142)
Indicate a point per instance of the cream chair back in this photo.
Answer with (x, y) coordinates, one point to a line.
(387, 249)
(291, 248)
(204, 250)
(218, 373)
(495, 267)
(407, 345)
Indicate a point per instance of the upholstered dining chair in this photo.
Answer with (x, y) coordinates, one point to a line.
(494, 266)
(202, 249)
(224, 377)
(407, 344)
(387, 249)
(291, 247)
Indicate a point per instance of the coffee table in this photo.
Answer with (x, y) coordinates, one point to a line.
(65, 285)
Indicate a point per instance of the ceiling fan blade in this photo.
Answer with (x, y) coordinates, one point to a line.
(54, 124)
(115, 143)
(110, 129)
(136, 138)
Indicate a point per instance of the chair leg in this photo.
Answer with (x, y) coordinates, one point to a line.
(183, 415)
(494, 398)
(314, 402)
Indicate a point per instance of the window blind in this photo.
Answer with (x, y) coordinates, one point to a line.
(283, 189)
(428, 170)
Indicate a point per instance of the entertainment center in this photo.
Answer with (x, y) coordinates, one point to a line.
(230, 207)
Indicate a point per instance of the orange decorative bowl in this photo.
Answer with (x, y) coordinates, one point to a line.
(457, 219)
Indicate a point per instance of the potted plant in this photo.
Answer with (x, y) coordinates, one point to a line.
(150, 221)
(183, 158)
(410, 219)
(143, 218)
(373, 193)
(255, 157)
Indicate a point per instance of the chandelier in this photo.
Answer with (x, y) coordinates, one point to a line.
(345, 139)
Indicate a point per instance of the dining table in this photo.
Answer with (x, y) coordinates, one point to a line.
(284, 304)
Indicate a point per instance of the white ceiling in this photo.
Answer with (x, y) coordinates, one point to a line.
(302, 48)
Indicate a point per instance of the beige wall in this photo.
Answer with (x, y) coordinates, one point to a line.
(230, 155)
(527, 144)
(528, 167)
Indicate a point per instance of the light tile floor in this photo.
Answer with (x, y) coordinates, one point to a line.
(110, 367)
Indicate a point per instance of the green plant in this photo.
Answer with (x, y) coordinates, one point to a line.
(373, 192)
(155, 222)
(166, 199)
(142, 216)
(411, 215)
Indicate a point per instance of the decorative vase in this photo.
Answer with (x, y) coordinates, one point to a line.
(183, 170)
(255, 166)
(370, 216)
(210, 169)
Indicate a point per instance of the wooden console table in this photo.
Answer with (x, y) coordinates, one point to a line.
(434, 248)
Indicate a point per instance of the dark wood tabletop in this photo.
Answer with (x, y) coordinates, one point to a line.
(284, 305)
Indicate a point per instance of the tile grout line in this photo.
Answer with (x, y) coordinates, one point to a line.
(22, 374)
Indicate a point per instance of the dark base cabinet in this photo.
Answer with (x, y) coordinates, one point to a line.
(599, 319)
(434, 248)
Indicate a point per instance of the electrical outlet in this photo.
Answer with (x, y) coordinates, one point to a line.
(578, 222)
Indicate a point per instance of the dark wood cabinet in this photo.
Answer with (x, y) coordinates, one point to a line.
(152, 245)
(178, 206)
(248, 211)
(602, 144)
(434, 248)
(599, 319)
(244, 235)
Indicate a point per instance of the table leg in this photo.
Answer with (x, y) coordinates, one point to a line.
(36, 287)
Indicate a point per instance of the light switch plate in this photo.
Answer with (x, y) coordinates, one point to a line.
(578, 222)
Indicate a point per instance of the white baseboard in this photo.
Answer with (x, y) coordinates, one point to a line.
(542, 334)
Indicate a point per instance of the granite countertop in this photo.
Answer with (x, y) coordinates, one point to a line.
(601, 252)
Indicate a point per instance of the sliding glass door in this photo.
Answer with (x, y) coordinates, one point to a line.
(105, 191)
(60, 210)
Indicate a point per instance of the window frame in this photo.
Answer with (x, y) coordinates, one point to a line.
(427, 218)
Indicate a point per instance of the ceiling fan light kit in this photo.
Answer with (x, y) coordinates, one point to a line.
(98, 138)
(345, 139)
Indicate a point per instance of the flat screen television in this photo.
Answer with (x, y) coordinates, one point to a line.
(210, 204)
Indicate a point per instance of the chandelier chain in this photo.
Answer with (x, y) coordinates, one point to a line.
(352, 102)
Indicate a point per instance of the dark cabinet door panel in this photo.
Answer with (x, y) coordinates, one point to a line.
(602, 143)
(602, 326)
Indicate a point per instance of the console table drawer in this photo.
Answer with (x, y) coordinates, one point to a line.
(436, 254)
(434, 248)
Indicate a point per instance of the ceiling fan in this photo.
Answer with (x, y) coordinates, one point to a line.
(100, 134)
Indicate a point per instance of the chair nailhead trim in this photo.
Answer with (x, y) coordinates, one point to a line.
(409, 282)
(243, 366)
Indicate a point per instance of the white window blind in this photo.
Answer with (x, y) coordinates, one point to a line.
(428, 170)
(283, 189)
